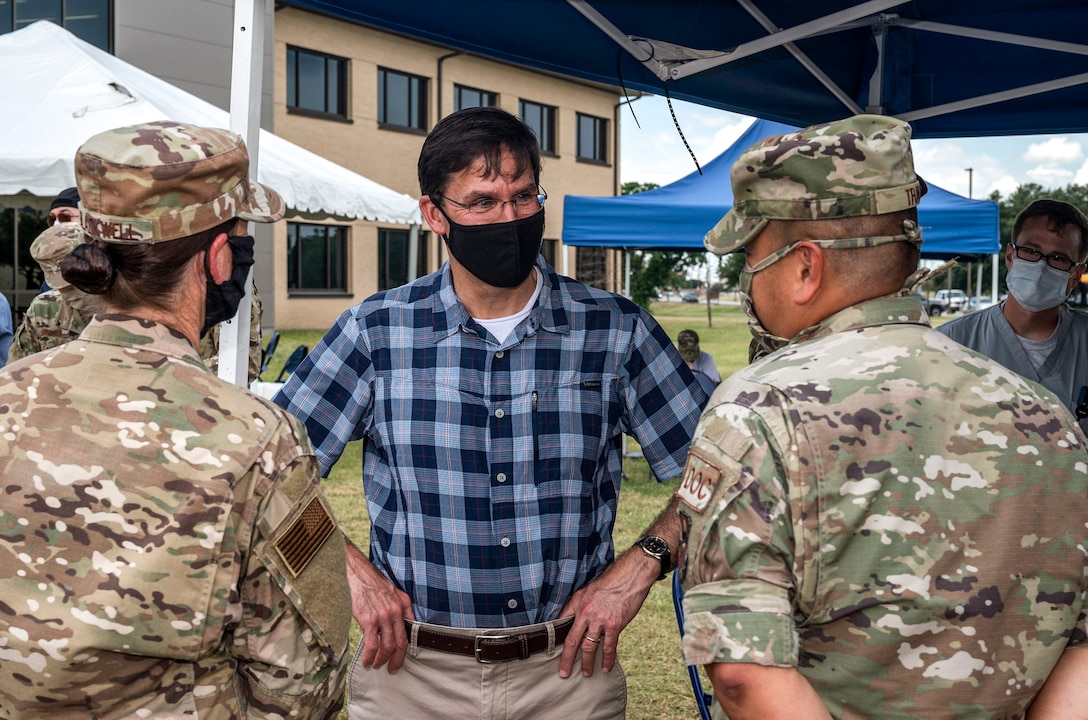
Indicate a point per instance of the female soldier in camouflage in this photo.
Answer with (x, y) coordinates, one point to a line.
(165, 549)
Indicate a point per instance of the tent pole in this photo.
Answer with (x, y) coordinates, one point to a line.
(627, 273)
(413, 251)
(247, 64)
(994, 98)
(876, 81)
(993, 277)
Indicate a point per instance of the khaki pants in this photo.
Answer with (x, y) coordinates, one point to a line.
(433, 684)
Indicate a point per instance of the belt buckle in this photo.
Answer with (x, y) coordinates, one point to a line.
(476, 647)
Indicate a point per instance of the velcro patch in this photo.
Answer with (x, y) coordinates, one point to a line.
(300, 542)
(700, 480)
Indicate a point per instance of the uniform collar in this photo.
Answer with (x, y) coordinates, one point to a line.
(129, 331)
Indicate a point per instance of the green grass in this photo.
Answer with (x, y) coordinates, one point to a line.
(657, 680)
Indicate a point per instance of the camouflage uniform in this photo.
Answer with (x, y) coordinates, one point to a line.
(165, 547)
(892, 514)
(897, 517)
(48, 322)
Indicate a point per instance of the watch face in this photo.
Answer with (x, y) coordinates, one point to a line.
(654, 545)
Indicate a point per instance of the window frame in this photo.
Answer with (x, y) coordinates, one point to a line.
(293, 88)
(418, 97)
(599, 141)
(459, 89)
(549, 112)
(384, 276)
(11, 22)
(295, 266)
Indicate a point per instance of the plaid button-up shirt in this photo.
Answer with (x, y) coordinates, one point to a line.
(492, 470)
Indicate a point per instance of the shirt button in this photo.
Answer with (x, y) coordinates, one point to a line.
(500, 354)
(511, 604)
(505, 542)
(500, 413)
(501, 477)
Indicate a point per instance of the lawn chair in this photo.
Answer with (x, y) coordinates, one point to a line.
(268, 351)
(293, 361)
(703, 699)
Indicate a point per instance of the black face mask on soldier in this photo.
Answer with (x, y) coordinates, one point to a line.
(499, 254)
(222, 300)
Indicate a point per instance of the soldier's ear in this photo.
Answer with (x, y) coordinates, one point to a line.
(220, 259)
(810, 272)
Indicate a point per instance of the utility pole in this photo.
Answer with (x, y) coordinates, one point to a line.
(970, 189)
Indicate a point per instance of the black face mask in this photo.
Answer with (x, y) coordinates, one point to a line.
(499, 254)
(222, 300)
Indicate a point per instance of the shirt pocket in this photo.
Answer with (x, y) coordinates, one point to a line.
(570, 424)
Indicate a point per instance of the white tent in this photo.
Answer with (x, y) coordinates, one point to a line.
(58, 91)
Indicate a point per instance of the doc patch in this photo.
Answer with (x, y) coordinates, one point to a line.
(701, 479)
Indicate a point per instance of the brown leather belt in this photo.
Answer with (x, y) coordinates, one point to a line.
(489, 648)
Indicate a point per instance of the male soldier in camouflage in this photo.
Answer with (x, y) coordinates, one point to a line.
(165, 547)
(882, 523)
(55, 316)
(59, 314)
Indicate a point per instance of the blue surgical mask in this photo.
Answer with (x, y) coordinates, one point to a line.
(1037, 286)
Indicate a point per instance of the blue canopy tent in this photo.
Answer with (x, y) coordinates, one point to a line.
(952, 68)
(678, 215)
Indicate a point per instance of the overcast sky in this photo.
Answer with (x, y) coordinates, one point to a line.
(656, 154)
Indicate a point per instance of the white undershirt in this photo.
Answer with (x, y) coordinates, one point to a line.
(502, 327)
(1039, 350)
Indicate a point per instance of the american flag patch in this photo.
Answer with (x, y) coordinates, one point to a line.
(299, 543)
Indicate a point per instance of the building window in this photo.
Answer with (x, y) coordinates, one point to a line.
(402, 100)
(316, 82)
(316, 257)
(394, 258)
(541, 118)
(88, 20)
(466, 97)
(592, 138)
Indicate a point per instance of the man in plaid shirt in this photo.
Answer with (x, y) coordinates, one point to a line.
(493, 396)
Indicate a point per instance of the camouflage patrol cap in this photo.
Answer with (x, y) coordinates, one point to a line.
(858, 166)
(165, 180)
(50, 248)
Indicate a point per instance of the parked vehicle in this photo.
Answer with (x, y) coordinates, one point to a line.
(924, 300)
(980, 302)
(949, 301)
(689, 296)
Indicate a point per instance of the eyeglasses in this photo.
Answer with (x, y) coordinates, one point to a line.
(1058, 262)
(64, 215)
(522, 202)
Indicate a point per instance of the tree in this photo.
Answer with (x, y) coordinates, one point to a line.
(630, 188)
(729, 268)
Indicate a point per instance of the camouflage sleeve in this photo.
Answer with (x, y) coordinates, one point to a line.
(48, 323)
(292, 642)
(738, 575)
(255, 345)
(24, 343)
